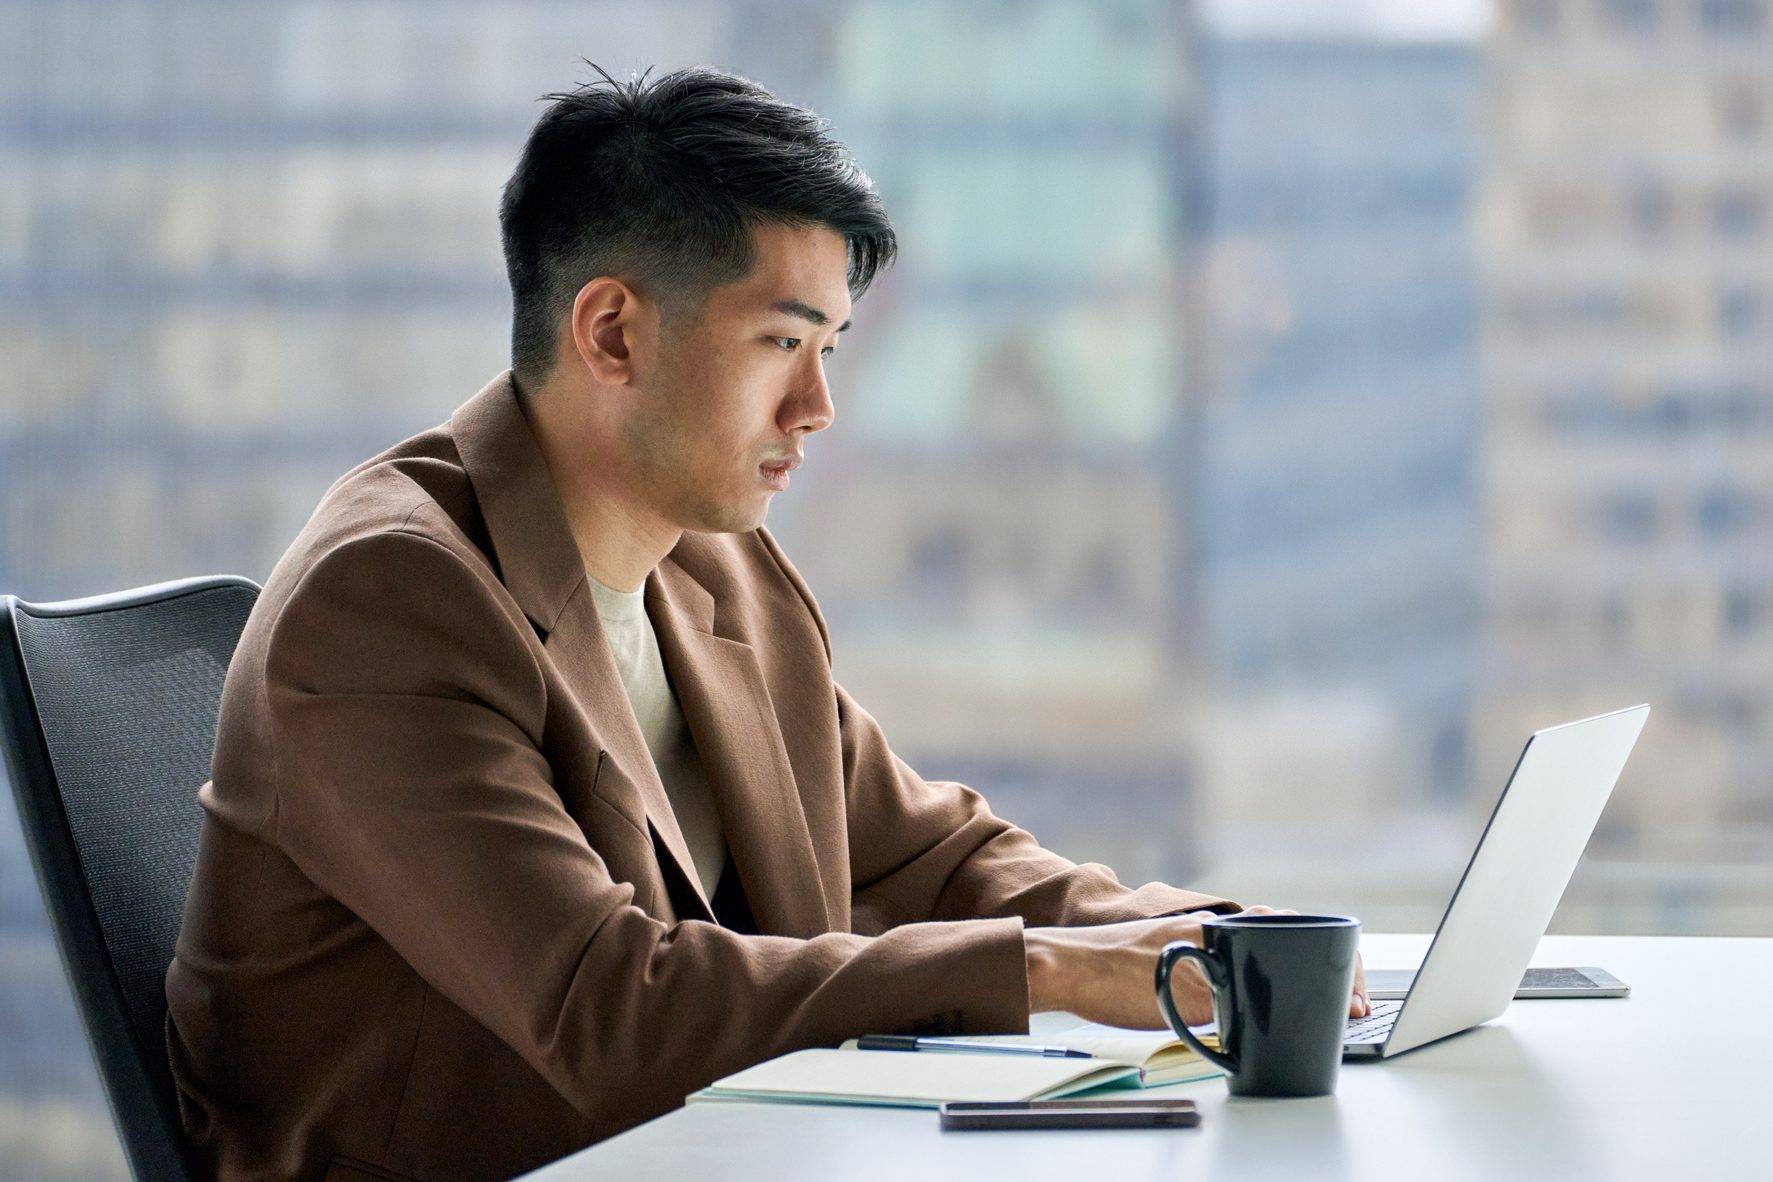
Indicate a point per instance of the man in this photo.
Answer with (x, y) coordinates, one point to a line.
(534, 804)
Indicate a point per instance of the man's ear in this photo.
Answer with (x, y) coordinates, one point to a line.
(608, 320)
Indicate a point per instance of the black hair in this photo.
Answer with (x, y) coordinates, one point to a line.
(660, 184)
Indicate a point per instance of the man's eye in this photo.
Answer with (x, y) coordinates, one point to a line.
(827, 351)
(789, 344)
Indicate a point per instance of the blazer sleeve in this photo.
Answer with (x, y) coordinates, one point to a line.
(931, 850)
(406, 706)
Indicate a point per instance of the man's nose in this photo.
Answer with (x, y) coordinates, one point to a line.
(810, 408)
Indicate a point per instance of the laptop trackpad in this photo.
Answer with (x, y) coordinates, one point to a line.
(1392, 984)
(1389, 984)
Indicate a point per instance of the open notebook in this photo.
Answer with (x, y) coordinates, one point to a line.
(926, 1079)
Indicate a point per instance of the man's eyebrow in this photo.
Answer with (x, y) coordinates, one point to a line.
(806, 311)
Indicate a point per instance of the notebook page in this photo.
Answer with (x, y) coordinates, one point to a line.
(1114, 1043)
(915, 1077)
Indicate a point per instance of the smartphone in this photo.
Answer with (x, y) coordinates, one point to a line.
(1070, 1114)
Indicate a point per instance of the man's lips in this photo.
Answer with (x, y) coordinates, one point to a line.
(775, 472)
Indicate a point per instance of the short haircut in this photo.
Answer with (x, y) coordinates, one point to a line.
(660, 184)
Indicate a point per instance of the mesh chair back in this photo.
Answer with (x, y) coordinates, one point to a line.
(109, 709)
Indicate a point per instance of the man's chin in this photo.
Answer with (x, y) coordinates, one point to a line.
(733, 519)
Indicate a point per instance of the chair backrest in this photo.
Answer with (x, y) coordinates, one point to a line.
(107, 721)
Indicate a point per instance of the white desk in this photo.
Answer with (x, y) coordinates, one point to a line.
(1670, 1083)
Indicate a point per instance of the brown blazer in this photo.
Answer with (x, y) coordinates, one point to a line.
(443, 924)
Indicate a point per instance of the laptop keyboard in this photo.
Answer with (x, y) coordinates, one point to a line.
(1375, 1026)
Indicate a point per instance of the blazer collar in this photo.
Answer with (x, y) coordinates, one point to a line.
(538, 560)
(719, 684)
(540, 566)
(725, 700)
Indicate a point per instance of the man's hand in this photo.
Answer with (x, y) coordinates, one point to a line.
(1106, 973)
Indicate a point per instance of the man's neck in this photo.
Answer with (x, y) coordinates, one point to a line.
(618, 542)
(616, 548)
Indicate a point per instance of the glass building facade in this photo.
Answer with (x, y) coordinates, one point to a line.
(1266, 426)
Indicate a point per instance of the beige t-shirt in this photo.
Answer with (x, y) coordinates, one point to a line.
(636, 649)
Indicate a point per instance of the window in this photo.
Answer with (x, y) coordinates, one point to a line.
(1742, 108)
(1742, 313)
(1649, 208)
(1733, 17)
(1737, 213)
(1536, 16)
(1628, 517)
(1721, 511)
(1636, 16)
(1744, 610)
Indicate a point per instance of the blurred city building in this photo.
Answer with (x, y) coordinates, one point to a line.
(993, 527)
(1335, 497)
(1334, 494)
(1209, 488)
(244, 247)
(1626, 246)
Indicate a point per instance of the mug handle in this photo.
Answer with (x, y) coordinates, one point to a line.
(1216, 976)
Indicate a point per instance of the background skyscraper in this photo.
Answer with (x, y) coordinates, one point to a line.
(1334, 497)
(1626, 246)
(1272, 417)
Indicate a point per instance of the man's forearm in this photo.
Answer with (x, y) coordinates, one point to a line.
(1107, 972)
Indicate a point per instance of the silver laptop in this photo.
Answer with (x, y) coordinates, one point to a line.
(1512, 885)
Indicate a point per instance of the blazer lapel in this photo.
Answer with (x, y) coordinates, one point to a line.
(725, 702)
(540, 565)
(628, 778)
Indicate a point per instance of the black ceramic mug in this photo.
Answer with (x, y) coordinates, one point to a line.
(1281, 990)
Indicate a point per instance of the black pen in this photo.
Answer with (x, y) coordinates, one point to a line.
(907, 1042)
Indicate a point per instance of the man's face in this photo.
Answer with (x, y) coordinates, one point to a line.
(732, 397)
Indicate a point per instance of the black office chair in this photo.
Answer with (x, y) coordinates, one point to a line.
(107, 721)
